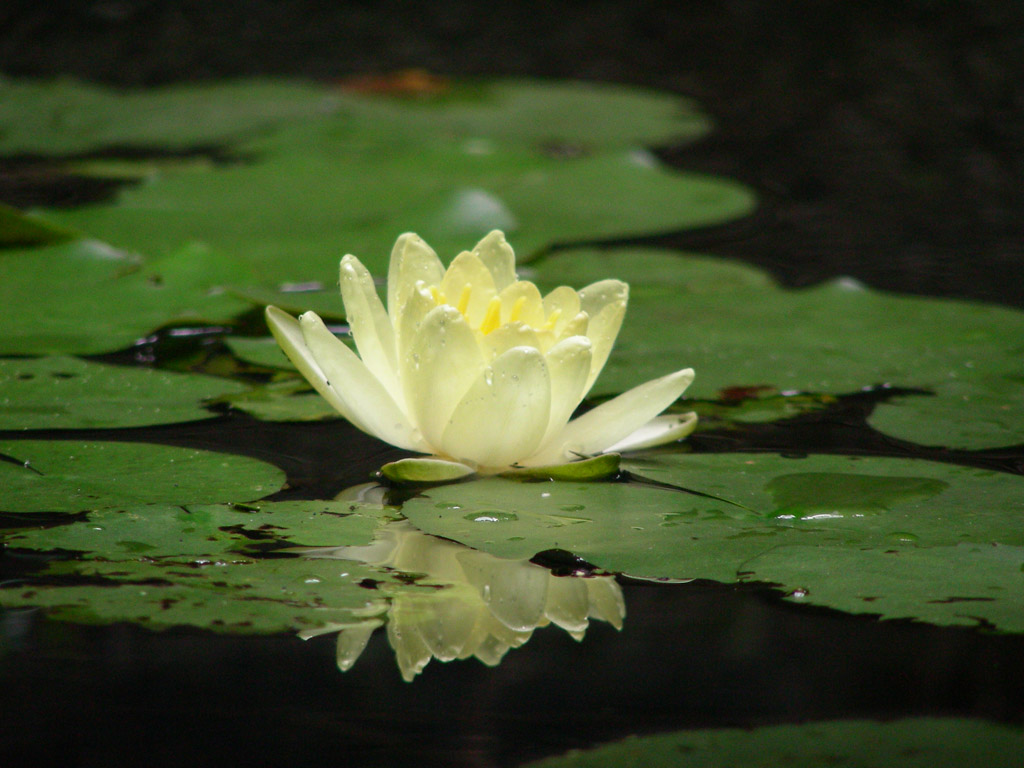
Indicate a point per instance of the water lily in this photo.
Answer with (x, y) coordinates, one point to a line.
(475, 367)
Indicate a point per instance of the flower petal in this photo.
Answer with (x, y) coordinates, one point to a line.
(560, 307)
(658, 431)
(599, 429)
(371, 407)
(577, 326)
(497, 255)
(288, 333)
(412, 260)
(418, 305)
(522, 302)
(605, 303)
(468, 285)
(371, 327)
(504, 414)
(507, 336)
(569, 363)
(442, 362)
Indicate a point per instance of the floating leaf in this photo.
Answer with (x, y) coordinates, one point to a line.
(282, 401)
(66, 117)
(837, 337)
(164, 566)
(17, 229)
(733, 512)
(68, 393)
(911, 743)
(290, 216)
(73, 476)
(85, 297)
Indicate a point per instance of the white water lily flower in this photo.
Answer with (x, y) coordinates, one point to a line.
(474, 366)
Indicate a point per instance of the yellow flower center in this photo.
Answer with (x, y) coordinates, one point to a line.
(492, 315)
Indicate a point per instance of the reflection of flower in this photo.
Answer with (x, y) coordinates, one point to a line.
(484, 606)
(473, 365)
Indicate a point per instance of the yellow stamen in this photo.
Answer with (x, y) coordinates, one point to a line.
(552, 319)
(464, 299)
(438, 296)
(516, 309)
(492, 318)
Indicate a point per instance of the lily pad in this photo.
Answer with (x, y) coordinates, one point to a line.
(292, 214)
(74, 476)
(833, 338)
(911, 743)
(228, 594)
(568, 118)
(738, 511)
(66, 117)
(163, 566)
(288, 400)
(85, 297)
(17, 229)
(69, 393)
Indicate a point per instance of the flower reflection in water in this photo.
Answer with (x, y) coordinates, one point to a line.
(466, 603)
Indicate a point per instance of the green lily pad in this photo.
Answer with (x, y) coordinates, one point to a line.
(288, 400)
(743, 510)
(17, 229)
(85, 297)
(74, 476)
(162, 566)
(67, 117)
(296, 299)
(68, 393)
(837, 337)
(234, 594)
(976, 409)
(180, 534)
(557, 117)
(911, 743)
(289, 216)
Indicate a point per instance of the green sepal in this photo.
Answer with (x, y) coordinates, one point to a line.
(425, 471)
(600, 467)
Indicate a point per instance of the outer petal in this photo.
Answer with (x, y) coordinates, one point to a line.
(498, 257)
(371, 327)
(417, 306)
(412, 260)
(569, 363)
(441, 363)
(605, 303)
(597, 430)
(364, 397)
(503, 416)
(288, 332)
(658, 431)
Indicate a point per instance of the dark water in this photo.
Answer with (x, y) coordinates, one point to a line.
(886, 141)
(689, 656)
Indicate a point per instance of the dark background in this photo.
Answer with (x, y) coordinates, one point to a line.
(886, 139)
